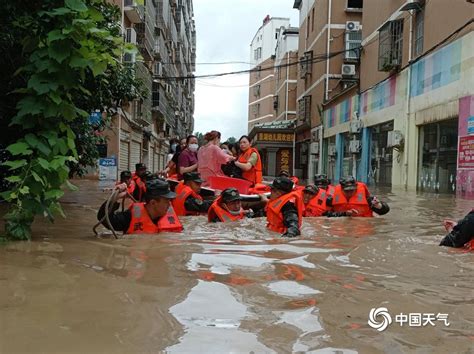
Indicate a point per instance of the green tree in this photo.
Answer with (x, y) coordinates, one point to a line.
(65, 52)
(231, 140)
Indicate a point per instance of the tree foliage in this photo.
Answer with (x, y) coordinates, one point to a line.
(63, 61)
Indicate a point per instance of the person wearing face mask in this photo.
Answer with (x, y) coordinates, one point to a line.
(188, 160)
(211, 157)
(227, 207)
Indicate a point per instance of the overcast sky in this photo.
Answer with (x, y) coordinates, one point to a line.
(224, 30)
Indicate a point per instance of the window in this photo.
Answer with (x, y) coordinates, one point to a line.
(256, 90)
(353, 43)
(390, 45)
(257, 53)
(258, 72)
(304, 109)
(419, 31)
(355, 4)
(307, 25)
(155, 94)
(276, 35)
(306, 64)
(312, 22)
(275, 103)
(256, 109)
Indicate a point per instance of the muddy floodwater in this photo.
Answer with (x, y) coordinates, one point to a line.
(219, 288)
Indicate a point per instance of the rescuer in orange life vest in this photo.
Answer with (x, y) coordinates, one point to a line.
(352, 198)
(461, 233)
(285, 173)
(188, 201)
(285, 208)
(138, 182)
(314, 200)
(154, 216)
(227, 207)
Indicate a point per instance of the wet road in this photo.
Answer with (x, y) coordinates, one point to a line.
(239, 288)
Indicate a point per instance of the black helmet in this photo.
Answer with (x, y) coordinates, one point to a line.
(230, 195)
(321, 180)
(348, 183)
(192, 176)
(158, 188)
(283, 184)
(311, 189)
(125, 175)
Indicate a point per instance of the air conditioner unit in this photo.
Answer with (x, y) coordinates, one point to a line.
(332, 150)
(394, 139)
(348, 70)
(130, 35)
(354, 146)
(352, 26)
(314, 148)
(158, 69)
(355, 126)
(129, 58)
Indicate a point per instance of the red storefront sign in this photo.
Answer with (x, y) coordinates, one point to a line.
(466, 152)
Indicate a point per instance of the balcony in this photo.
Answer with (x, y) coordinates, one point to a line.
(145, 40)
(142, 73)
(134, 11)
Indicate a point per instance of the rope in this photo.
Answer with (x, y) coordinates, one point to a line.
(113, 197)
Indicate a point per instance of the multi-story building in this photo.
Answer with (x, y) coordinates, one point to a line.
(164, 32)
(410, 121)
(272, 93)
(328, 67)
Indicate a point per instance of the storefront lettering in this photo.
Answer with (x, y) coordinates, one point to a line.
(285, 160)
(277, 137)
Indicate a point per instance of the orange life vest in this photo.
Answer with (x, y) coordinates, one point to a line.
(182, 193)
(259, 188)
(358, 201)
(295, 180)
(317, 205)
(141, 222)
(274, 214)
(140, 185)
(221, 213)
(253, 175)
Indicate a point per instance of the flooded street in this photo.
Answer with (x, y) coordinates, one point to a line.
(238, 287)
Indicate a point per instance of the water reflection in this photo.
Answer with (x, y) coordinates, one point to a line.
(222, 287)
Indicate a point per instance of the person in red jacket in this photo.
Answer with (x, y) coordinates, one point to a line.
(154, 216)
(227, 207)
(352, 198)
(138, 182)
(188, 201)
(314, 200)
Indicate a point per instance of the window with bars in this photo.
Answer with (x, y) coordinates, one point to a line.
(155, 94)
(304, 109)
(353, 41)
(390, 45)
(257, 53)
(275, 102)
(419, 32)
(256, 109)
(306, 64)
(256, 90)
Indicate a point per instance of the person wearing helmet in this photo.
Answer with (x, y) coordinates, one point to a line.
(188, 201)
(138, 182)
(227, 207)
(323, 182)
(285, 173)
(285, 208)
(155, 215)
(352, 198)
(314, 200)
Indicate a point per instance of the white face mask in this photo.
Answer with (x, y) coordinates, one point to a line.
(193, 147)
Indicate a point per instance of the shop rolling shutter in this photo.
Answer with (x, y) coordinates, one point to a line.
(124, 155)
(135, 154)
